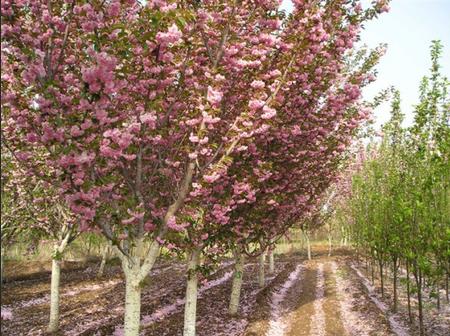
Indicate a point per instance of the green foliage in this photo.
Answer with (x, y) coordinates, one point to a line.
(399, 206)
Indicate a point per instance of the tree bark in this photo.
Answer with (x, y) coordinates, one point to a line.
(271, 262)
(190, 308)
(105, 254)
(261, 273)
(308, 244)
(446, 287)
(2, 264)
(132, 301)
(408, 292)
(55, 281)
(380, 263)
(372, 269)
(135, 273)
(330, 246)
(395, 284)
(237, 283)
(438, 296)
(54, 296)
(418, 277)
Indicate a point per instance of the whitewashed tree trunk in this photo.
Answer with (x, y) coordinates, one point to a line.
(330, 245)
(54, 285)
(54, 295)
(308, 245)
(261, 273)
(132, 300)
(271, 262)
(190, 308)
(237, 283)
(135, 273)
(105, 254)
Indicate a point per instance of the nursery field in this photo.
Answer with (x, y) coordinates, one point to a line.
(328, 295)
(224, 168)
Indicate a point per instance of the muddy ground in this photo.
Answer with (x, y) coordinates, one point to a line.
(323, 296)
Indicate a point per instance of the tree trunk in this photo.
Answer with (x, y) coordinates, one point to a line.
(271, 262)
(308, 244)
(132, 301)
(438, 299)
(237, 283)
(261, 273)
(446, 287)
(395, 284)
(54, 295)
(135, 273)
(2, 264)
(372, 270)
(330, 246)
(105, 254)
(190, 308)
(418, 277)
(408, 292)
(380, 263)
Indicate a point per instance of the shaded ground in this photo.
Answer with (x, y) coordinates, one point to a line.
(324, 296)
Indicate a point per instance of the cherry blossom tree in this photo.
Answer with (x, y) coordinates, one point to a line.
(31, 208)
(133, 106)
(281, 172)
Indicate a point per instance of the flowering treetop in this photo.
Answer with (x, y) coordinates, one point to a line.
(134, 104)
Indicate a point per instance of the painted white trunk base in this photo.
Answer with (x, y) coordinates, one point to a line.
(132, 308)
(271, 262)
(54, 296)
(261, 270)
(238, 277)
(190, 307)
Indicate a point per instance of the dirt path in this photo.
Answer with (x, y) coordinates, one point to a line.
(299, 319)
(325, 298)
(334, 323)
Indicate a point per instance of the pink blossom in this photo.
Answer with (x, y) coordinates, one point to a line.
(211, 178)
(193, 138)
(255, 104)
(148, 119)
(214, 96)
(257, 84)
(173, 35)
(269, 113)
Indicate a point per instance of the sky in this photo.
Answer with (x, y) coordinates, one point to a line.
(408, 29)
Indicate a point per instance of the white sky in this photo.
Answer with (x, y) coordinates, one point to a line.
(408, 29)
